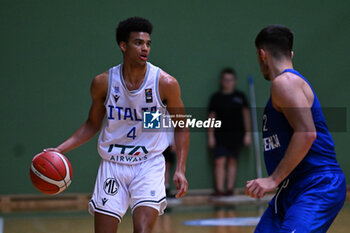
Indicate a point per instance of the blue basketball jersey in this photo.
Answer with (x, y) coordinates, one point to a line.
(277, 134)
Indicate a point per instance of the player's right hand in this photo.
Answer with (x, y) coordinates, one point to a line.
(259, 187)
(52, 149)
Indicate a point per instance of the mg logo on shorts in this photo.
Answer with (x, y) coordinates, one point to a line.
(111, 186)
(151, 120)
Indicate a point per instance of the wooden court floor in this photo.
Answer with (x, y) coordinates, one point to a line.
(171, 222)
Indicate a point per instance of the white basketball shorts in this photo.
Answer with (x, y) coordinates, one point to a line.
(119, 186)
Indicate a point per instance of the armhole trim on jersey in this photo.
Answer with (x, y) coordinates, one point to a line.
(109, 85)
(157, 90)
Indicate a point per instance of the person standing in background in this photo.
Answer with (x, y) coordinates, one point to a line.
(231, 107)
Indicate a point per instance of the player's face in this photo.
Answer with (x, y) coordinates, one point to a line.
(138, 47)
(263, 64)
(228, 82)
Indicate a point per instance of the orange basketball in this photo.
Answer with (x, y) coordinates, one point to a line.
(51, 172)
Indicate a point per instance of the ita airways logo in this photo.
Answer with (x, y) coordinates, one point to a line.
(151, 120)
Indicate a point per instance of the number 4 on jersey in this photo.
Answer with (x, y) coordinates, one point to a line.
(131, 133)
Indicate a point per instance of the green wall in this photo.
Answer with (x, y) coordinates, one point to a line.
(51, 50)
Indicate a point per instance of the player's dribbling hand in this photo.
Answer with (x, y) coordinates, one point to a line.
(52, 149)
(181, 184)
(259, 187)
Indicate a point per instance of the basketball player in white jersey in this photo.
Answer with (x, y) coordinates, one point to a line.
(132, 168)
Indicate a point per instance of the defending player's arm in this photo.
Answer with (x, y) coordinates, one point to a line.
(92, 125)
(170, 91)
(292, 101)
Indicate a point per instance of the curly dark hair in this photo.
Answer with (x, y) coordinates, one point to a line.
(133, 24)
(277, 39)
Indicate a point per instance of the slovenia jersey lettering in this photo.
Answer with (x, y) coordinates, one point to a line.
(277, 134)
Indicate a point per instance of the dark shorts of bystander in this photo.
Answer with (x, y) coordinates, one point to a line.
(227, 151)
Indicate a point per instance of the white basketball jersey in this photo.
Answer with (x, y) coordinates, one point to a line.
(123, 138)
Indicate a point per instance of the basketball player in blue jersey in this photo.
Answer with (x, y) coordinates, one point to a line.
(132, 168)
(298, 148)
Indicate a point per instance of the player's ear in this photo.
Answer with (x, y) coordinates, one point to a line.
(291, 54)
(263, 54)
(122, 46)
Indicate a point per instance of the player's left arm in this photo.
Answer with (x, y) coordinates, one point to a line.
(170, 92)
(291, 100)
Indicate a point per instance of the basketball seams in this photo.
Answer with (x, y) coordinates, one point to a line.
(55, 169)
(67, 178)
(45, 178)
(47, 160)
(52, 188)
(37, 168)
(58, 180)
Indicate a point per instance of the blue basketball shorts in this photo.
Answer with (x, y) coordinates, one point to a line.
(305, 205)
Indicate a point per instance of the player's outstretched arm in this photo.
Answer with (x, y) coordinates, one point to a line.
(289, 98)
(170, 91)
(92, 125)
